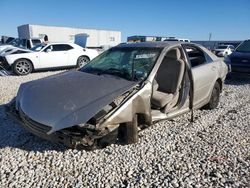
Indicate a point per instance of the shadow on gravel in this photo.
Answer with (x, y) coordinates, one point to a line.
(237, 80)
(14, 136)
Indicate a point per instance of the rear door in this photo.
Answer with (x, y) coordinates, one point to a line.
(55, 55)
(205, 73)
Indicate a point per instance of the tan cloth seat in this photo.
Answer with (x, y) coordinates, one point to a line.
(160, 99)
(168, 79)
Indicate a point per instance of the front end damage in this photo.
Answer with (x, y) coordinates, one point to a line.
(100, 130)
(5, 68)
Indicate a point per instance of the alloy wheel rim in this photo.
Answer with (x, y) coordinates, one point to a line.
(82, 61)
(23, 67)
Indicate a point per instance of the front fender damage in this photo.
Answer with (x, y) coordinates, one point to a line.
(100, 130)
(105, 131)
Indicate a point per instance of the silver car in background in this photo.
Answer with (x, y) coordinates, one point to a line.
(125, 89)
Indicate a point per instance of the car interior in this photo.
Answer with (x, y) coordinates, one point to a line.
(167, 82)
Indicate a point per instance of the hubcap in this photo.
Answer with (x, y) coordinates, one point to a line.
(23, 67)
(82, 61)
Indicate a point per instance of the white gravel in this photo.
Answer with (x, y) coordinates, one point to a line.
(213, 151)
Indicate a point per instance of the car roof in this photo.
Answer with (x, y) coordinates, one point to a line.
(61, 43)
(68, 43)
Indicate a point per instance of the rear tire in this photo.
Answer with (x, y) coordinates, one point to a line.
(81, 61)
(215, 98)
(22, 67)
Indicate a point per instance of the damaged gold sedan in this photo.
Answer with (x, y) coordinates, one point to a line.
(123, 90)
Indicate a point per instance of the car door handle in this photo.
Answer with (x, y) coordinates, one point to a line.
(213, 68)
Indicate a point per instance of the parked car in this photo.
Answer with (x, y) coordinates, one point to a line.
(123, 90)
(223, 50)
(20, 43)
(239, 60)
(176, 39)
(6, 39)
(53, 55)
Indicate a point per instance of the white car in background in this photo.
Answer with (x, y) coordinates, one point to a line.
(52, 55)
(20, 44)
(223, 50)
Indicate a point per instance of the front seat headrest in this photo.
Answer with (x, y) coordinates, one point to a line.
(174, 54)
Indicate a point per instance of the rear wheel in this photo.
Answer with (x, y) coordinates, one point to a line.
(22, 67)
(81, 61)
(215, 97)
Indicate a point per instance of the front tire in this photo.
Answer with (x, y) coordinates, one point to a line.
(22, 67)
(215, 98)
(81, 61)
(128, 132)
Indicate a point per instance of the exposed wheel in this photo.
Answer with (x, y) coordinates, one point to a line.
(81, 61)
(215, 97)
(22, 67)
(128, 132)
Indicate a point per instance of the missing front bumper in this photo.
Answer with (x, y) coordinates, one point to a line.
(65, 137)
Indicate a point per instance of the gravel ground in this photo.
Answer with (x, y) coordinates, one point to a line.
(213, 151)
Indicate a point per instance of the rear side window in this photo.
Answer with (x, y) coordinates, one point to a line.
(68, 47)
(61, 47)
(197, 56)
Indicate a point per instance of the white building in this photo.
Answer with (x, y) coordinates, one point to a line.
(96, 37)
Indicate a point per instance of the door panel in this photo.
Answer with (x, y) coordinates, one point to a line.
(204, 71)
(53, 58)
(204, 78)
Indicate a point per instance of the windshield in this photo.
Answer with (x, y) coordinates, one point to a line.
(222, 47)
(133, 64)
(38, 47)
(244, 47)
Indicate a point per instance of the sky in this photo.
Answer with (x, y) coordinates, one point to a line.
(192, 19)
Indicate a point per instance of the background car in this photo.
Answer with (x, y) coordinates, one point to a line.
(20, 43)
(223, 50)
(126, 88)
(239, 60)
(53, 55)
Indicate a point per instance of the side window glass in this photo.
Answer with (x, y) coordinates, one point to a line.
(61, 47)
(49, 47)
(58, 47)
(208, 58)
(67, 47)
(196, 56)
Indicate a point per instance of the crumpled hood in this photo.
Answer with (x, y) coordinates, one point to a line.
(16, 50)
(69, 98)
(4, 46)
